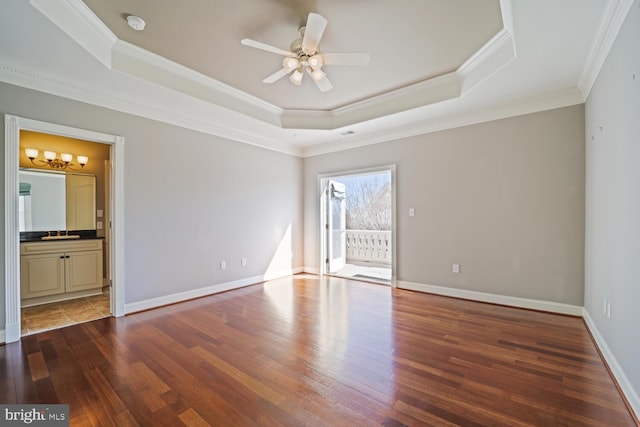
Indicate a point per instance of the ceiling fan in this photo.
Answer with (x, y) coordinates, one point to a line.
(305, 56)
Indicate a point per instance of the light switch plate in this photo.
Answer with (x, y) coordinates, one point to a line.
(99, 213)
(99, 225)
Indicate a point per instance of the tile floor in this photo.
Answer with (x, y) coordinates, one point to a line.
(56, 315)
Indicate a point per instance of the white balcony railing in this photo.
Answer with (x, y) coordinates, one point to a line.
(369, 246)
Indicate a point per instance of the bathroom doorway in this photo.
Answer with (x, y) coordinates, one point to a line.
(70, 200)
(15, 129)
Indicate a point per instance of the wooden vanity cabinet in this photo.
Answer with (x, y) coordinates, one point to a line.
(54, 271)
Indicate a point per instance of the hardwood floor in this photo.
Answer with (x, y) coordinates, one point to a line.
(310, 351)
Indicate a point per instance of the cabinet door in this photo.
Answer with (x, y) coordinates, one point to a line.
(84, 270)
(81, 202)
(42, 275)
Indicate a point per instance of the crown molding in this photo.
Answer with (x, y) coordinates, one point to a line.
(133, 60)
(610, 24)
(409, 97)
(174, 114)
(37, 81)
(548, 101)
(494, 55)
(499, 51)
(83, 26)
(233, 108)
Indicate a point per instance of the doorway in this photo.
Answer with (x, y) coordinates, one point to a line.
(71, 198)
(13, 127)
(358, 224)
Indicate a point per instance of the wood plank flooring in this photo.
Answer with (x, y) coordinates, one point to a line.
(320, 352)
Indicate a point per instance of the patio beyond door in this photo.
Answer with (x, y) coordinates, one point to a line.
(358, 225)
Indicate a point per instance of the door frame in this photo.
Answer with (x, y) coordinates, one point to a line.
(12, 127)
(331, 226)
(323, 179)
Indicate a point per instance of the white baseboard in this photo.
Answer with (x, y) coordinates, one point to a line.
(532, 304)
(2, 337)
(311, 270)
(201, 292)
(625, 385)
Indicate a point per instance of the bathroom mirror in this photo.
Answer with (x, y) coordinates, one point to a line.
(51, 201)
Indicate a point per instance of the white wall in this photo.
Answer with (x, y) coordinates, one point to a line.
(503, 199)
(191, 200)
(613, 205)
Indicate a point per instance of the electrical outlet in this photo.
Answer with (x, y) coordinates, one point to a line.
(456, 268)
(412, 212)
(243, 262)
(223, 265)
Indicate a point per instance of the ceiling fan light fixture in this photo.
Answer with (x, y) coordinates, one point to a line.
(304, 55)
(318, 75)
(296, 77)
(290, 63)
(316, 62)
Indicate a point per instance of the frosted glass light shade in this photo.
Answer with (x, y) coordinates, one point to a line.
(290, 63)
(82, 160)
(66, 157)
(316, 62)
(31, 153)
(296, 77)
(49, 155)
(317, 75)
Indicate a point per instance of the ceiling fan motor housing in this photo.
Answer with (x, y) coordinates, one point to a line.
(296, 46)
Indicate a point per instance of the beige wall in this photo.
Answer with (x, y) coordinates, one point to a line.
(190, 200)
(503, 199)
(613, 205)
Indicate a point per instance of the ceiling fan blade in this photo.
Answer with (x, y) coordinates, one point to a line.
(313, 32)
(345, 58)
(268, 48)
(276, 76)
(323, 83)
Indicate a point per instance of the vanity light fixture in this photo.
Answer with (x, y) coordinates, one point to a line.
(51, 160)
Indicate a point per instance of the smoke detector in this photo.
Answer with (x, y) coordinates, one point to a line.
(135, 22)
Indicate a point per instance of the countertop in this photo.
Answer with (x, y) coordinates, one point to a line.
(36, 236)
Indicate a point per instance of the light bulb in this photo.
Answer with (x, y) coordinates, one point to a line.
(316, 62)
(290, 63)
(31, 153)
(66, 157)
(50, 155)
(296, 77)
(82, 160)
(318, 75)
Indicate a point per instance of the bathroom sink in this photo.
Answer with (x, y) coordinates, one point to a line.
(62, 237)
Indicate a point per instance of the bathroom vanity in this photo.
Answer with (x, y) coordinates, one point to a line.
(59, 270)
(61, 256)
